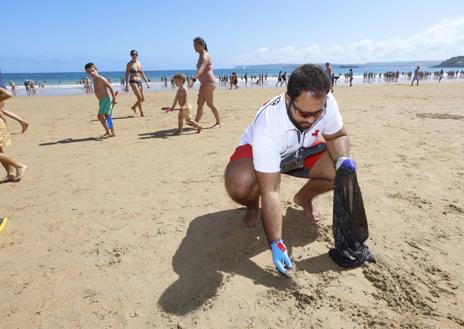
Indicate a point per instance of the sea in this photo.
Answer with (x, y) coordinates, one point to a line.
(62, 83)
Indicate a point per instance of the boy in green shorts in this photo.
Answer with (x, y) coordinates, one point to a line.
(101, 86)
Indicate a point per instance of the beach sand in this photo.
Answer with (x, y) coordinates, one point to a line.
(137, 231)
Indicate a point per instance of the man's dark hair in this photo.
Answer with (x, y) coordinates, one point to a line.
(89, 66)
(308, 77)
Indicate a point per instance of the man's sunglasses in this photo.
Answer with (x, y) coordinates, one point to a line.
(306, 114)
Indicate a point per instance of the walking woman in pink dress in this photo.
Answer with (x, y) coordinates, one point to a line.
(207, 81)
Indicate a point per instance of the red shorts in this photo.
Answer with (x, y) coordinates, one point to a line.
(246, 151)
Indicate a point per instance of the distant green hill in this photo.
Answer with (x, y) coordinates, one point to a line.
(457, 61)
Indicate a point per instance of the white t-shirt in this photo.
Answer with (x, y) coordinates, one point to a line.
(273, 136)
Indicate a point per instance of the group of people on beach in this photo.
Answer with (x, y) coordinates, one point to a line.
(30, 87)
(232, 81)
(304, 118)
(134, 78)
(87, 84)
(393, 76)
(299, 132)
(281, 79)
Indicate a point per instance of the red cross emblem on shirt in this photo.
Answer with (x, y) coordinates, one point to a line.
(315, 133)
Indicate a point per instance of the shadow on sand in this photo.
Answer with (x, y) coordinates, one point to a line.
(119, 118)
(171, 133)
(73, 140)
(214, 243)
(167, 133)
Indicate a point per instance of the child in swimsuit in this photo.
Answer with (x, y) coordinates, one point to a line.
(8, 163)
(185, 107)
(101, 86)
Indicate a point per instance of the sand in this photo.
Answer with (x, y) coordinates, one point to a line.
(137, 231)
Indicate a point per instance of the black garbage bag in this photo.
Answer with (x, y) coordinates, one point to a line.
(350, 226)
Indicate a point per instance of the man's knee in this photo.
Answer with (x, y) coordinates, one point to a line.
(323, 168)
(240, 180)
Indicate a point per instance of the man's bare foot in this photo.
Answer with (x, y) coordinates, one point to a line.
(199, 130)
(307, 205)
(20, 173)
(133, 109)
(25, 125)
(141, 114)
(251, 218)
(106, 135)
(217, 125)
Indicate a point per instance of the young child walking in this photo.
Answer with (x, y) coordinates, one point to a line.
(24, 124)
(101, 86)
(185, 111)
(14, 170)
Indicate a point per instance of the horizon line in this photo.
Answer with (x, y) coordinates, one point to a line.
(238, 66)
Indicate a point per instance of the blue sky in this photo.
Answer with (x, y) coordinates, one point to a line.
(57, 36)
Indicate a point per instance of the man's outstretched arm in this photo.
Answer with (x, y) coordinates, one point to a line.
(269, 187)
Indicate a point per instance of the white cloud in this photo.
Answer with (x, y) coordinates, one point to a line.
(284, 54)
(312, 50)
(442, 40)
(334, 51)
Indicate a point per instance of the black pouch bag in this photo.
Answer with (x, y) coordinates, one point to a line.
(350, 226)
(295, 160)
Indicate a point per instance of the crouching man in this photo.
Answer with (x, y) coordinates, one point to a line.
(299, 133)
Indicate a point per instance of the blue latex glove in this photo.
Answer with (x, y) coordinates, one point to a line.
(280, 257)
(345, 162)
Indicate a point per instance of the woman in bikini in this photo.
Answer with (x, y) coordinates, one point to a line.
(207, 80)
(134, 76)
